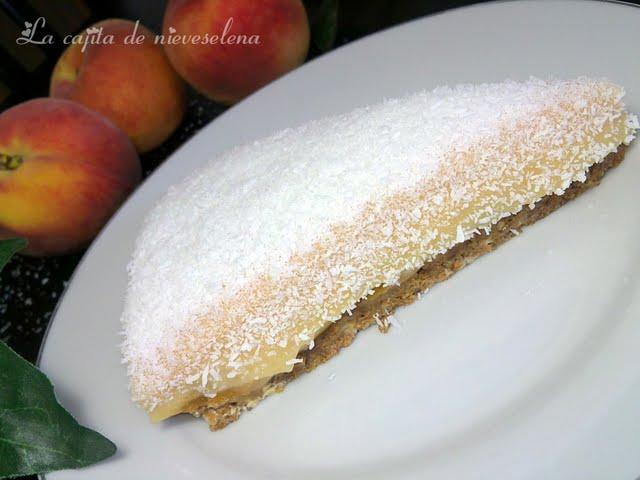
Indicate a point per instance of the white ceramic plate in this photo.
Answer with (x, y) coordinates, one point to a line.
(524, 365)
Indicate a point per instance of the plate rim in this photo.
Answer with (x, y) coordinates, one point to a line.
(107, 226)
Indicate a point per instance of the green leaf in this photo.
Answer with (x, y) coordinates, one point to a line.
(325, 25)
(8, 248)
(37, 435)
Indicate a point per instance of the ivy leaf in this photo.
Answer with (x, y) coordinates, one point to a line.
(10, 247)
(37, 435)
(324, 27)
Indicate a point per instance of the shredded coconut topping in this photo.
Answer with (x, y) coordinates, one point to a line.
(239, 266)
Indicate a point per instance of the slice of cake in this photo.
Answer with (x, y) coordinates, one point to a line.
(267, 261)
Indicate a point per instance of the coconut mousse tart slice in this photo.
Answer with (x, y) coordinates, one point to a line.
(268, 261)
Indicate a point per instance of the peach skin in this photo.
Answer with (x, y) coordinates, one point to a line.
(129, 80)
(64, 170)
(241, 44)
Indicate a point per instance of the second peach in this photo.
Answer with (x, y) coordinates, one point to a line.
(227, 49)
(128, 80)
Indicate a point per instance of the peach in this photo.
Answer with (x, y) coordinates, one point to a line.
(124, 75)
(64, 169)
(227, 49)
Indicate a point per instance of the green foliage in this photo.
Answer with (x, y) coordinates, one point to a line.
(324, 25)
(8, 248)
(37, 435)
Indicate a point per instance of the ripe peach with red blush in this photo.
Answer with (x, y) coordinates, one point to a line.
(227, 49)
(64, 170)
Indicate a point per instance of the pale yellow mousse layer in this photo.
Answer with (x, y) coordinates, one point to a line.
(189, 401)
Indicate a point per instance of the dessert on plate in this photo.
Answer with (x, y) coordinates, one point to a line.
(270, 259)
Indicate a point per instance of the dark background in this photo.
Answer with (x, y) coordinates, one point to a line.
(30, 287)
(26, 71)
